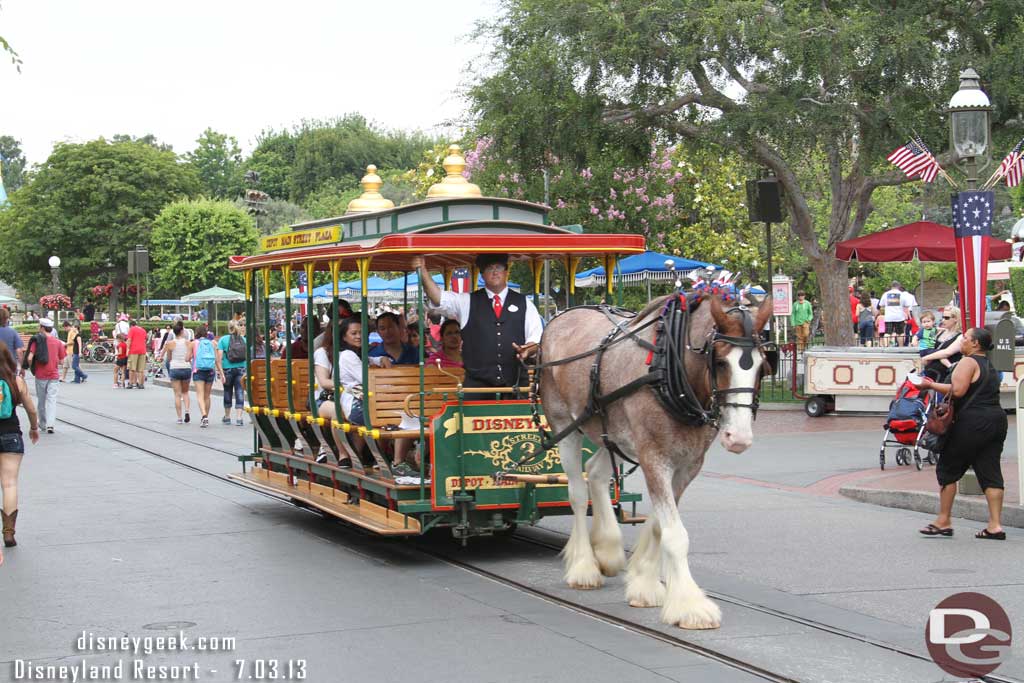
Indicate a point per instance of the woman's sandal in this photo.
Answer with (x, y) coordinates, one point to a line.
(932, 530)
(993, 535)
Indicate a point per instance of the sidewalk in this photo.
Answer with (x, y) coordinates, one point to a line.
(912, 490)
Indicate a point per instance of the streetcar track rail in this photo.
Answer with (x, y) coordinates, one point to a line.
(605, 617)
(787, 616)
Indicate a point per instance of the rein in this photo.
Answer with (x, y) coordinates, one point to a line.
(667, 374)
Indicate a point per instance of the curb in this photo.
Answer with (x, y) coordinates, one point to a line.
(965, 507)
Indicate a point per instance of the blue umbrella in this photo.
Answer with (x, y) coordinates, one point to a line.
(649, 265)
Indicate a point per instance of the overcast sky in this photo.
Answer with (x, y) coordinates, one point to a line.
(176, 68)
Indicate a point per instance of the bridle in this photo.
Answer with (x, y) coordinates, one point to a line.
(747, 344)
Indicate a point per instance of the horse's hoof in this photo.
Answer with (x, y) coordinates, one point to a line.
(694, 614)
(611, 558)
(645, 592)
(584, 576)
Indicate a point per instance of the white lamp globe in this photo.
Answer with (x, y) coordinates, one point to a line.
(54, 262)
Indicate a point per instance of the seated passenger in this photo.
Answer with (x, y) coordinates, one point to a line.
(300, 348)
(350, 378)
(450, 353)
(390, 329)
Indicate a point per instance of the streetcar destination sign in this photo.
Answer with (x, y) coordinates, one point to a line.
(301, 238)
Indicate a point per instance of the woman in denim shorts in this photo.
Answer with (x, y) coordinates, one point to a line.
(178, 352)
(12, 446)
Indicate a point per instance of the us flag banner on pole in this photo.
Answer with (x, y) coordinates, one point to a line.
(302, 291)
(1012, 166)
(972, 224)
(460, 280)
(914, 159)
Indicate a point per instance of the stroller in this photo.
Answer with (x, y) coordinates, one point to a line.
(904, 426)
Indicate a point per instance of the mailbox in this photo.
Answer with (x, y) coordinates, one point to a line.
(1003, 335)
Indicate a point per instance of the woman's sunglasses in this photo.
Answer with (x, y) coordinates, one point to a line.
(947, 317)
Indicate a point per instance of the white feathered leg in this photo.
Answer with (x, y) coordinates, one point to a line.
(685, 603)
(581, 568)
(605, 534)
(643, 578)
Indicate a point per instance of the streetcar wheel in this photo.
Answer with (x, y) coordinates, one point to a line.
(815, 406)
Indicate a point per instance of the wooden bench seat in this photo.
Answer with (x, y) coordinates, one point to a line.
(393, 390)
(258, 376)
(299, 385)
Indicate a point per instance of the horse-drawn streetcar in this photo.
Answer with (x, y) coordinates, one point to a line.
(482, 467)
(653, 387)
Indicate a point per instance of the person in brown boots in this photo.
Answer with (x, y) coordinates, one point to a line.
(13, 392)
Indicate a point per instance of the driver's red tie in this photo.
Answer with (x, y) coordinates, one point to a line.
(497, 306)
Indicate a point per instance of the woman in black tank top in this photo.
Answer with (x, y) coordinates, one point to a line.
(976, 437)
(12, 447)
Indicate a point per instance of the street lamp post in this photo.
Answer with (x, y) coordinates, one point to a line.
(55, 273)
(55, 278)
(969, 111)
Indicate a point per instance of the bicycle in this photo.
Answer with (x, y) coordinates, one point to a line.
(100, 351)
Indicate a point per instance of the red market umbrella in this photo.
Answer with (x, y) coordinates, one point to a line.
(923, 240)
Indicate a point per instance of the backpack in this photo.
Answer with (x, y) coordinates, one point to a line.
(866, 315)
(205, 357)
(42, 349)
(236, 349)
(6, 400)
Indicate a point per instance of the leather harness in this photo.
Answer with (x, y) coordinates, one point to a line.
(667, 370)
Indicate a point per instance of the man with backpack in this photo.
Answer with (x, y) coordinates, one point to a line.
(44, 357)
(136, 356)
(231, 370)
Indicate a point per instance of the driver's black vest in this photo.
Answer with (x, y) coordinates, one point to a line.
(487, 351)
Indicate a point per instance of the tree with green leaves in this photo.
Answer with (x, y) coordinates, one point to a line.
(192, 241)
(781, 82)
(89, 204)
(12, 163)
(217, 160)
(295, 164)
(6, 48)
(272, 160)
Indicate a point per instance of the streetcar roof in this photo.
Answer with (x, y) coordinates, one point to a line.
(448, 249)
(447, 232)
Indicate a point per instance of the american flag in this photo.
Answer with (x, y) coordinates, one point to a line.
(302, 291)
(1012, 166)
(914, 159)
(460, 280)
(972, 225)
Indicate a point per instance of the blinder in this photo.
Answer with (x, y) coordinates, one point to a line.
(747, 344)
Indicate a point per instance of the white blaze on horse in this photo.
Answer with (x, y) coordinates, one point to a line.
(706, 374)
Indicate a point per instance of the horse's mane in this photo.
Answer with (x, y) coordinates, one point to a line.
(653, 305)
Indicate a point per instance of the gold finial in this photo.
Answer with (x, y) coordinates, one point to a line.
(454, 184)
(371, 199)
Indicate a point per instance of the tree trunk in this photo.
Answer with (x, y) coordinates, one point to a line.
(836, 318)
(118, 282)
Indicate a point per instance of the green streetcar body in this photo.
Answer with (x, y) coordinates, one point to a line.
(472, 445)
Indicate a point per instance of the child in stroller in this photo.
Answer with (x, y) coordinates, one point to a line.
(904, 426)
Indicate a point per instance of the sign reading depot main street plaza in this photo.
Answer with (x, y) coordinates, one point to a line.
(301, 238)
(493, 436)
